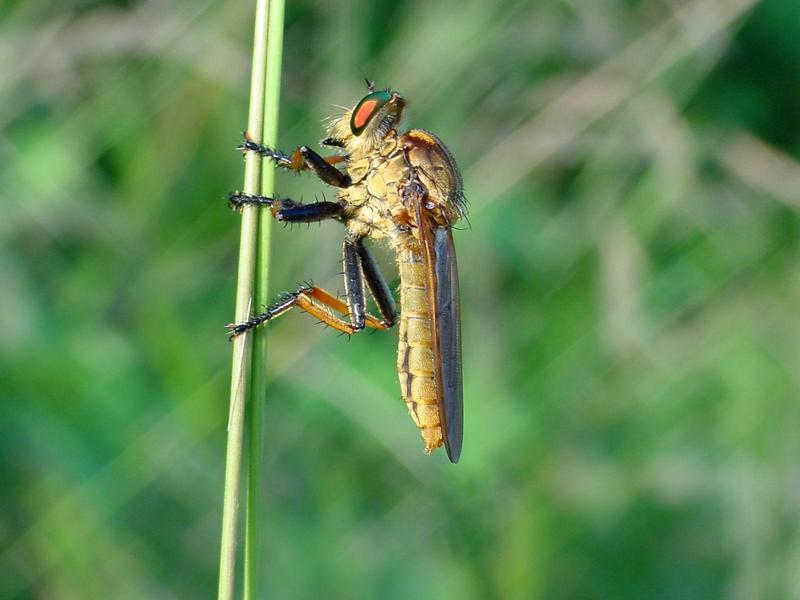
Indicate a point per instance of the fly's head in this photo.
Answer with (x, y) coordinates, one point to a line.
(364, 127)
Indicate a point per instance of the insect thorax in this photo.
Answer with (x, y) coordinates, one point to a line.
(374, 208)
(375, 202)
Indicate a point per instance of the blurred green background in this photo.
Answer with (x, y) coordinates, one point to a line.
(630, 286)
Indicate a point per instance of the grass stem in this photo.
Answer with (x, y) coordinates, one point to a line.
(255, 415)
(242, 345)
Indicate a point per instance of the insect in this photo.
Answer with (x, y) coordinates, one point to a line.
(404, 188)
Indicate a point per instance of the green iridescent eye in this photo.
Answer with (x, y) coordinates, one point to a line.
(366, 109)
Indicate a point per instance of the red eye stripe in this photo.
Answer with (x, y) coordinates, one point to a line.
(364, 113)
(367, 109)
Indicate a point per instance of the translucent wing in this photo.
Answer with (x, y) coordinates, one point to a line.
(441, 270)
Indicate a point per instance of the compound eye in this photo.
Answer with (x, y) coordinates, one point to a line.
(366, 109)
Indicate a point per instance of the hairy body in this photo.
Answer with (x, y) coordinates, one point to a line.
(405, 189)
(375, 207)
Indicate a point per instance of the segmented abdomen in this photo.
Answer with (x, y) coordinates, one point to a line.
(414, 354)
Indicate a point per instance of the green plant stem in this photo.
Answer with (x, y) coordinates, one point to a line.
(255, 416)
(242, 345)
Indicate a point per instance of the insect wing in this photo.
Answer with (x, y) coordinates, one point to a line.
(441, 271)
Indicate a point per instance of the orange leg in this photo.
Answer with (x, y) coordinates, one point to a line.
(316, 302)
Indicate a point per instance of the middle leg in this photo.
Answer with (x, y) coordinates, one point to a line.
(286, 209)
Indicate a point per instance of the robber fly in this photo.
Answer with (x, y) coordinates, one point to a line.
(404, 188)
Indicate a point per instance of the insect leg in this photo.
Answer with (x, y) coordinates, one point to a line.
(323, 168)
(354, 283)
(377, 285)
(331, 141)
(286, 209)
(313, 300)
(356, 270)
(301, 159)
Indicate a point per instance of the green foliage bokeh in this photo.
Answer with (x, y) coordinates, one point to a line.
(630, 288)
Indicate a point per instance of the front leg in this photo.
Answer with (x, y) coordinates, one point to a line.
(301, 159)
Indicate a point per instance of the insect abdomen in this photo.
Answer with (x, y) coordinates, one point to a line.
(414, 354)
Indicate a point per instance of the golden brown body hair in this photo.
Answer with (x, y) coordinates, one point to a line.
(403, 188)
(375, 208)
